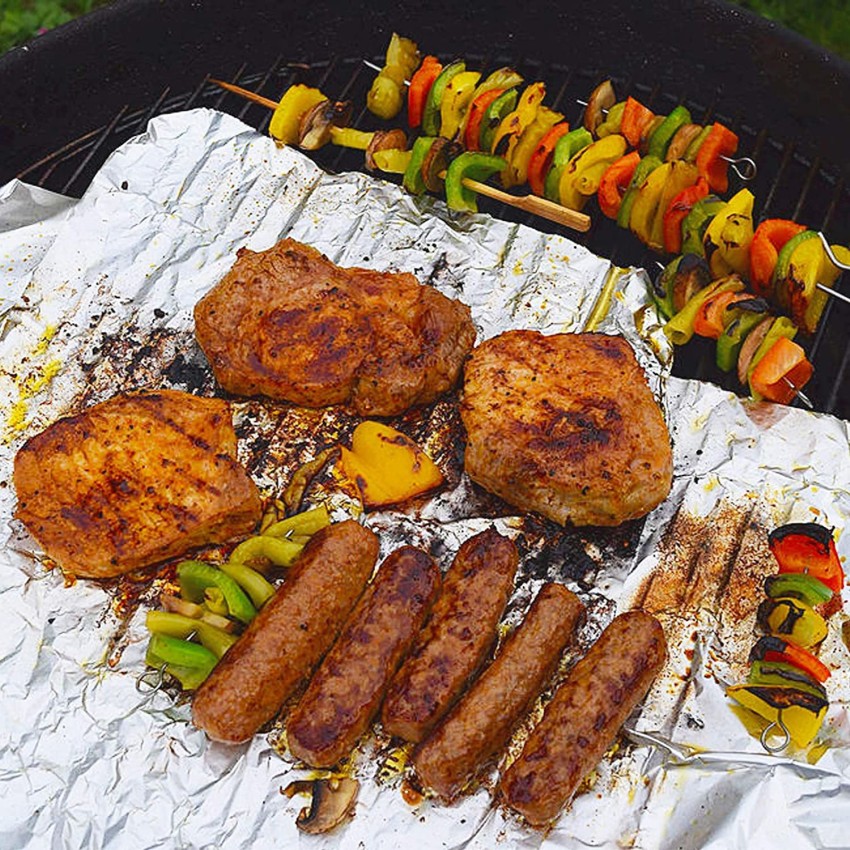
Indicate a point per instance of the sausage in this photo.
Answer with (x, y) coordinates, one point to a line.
(584, 716)
(480, 725)
(289, 636)
(346, 692)
(457, 638)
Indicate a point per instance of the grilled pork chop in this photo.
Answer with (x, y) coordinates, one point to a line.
(565, 425)
(134, 480)
(289, 324)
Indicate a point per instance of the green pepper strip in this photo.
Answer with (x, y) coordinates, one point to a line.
(188, 662)
(781, 673)
(565, 149)
(662, 289)
(254, 584)
(496, 111)
(413, 180)
(696, 144)
(281, 552)
(800, 586)
(660, 140)
(307, 522)
(216, 640)
(696, 223)
(196, 576)
(477, 166)
(730, 341)
(431, 114)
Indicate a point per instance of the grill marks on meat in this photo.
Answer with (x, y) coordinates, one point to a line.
(133, 481)
(457, 638)
(289, 324)
(289, 636)
(346, 692)
(565, 425)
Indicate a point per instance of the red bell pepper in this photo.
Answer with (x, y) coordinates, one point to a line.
(767, 242)
(636, 117)
(678, 210)
(614, 183)
(720, 142)
(775, 648)
(477, 111)
(782, 371)
(420, 85)
(711, 318)
(806, 547)
(541, 159)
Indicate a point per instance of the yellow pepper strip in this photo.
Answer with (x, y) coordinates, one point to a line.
(727, 239)
(585, 169)
(456, 98)
(514, 123)
(517, 171)
(348, 137)
(681, 176)
(393, 160)
(801, 713)
(306, 523)
(281, 553)
(647, 201)
(286, 121)
(215, 640)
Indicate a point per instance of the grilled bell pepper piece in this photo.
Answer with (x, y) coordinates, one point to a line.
(196, 576)
(475, 115)
(544, 154)
(565, 149)
(661, 138)
(773, 648)
(681, 141)
(252, 582)
(420, 85)
(693, 148)
(188, 662)
(456, 98)
(792, 619)
(645, 167)
(800, 712)
(646, 202)
(388, 466)
(581, 176)
(728, 237)
(431, 113)
(798, 586)
(682, 176)
(770, 237)
(807, 547)
(514, 124)
(500, 80)
(477, 166)
(779, 673)
(662, 288)
(676, 212)
(614, 183)
(612, 122)
(730, 341)
(720, 142)
(285, 124)
(716, 313)
(413, 180)
(216, 640)
(783, 265)
(782, 371)
(696, 223)
(636, 118)
(680, 328)
(496, 112)
(392, 160)
(516, 171)
(680, 281)
(780, 327)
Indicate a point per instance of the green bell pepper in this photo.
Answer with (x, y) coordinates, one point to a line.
(565, 149)
(730, 341)
(196, 576)
(696, 223)
(645, 167)
(431, 114)
(252, 582)
(413, 180)
(659, 141)
(476, 166)
(781, 673)
(216, 640)
(189, 663)
(502, 106)
(799, 586)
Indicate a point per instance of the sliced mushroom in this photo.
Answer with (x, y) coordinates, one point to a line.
(651, 127)
(333, 801)
(754, 339)
(436, 162)
(601, 100)
(178, 605)
(692, 275)
(315, 128)
(681, 140)
(383, 140)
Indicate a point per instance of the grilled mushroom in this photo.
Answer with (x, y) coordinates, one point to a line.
(601, 100)
(436, 162)
(383, 140)
(333, 801)
(315, 128)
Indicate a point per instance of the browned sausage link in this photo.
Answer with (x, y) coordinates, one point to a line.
(480, 725)
(290, 635)
(457, 638)
(583, 718)
(344, 696)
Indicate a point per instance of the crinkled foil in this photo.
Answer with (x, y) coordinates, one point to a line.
(97, 297)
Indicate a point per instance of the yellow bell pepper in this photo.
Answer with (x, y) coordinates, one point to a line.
(517, 171)
(581, 175)
(286, 120)
(646, 202)
(801, 713)
(809, 266)
(514, 123)
(727, 238)
(456, 98)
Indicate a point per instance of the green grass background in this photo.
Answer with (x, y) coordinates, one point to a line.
(826, 22)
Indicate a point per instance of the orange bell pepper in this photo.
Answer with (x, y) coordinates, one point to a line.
(420, 85)
(711, 319)
(677, 211)
(720, 142)
(768, 240)
(614, 183)
(775, 648)
(541, 159)
(808, 548)
(784, 364)
(477, 111)
(635, 119)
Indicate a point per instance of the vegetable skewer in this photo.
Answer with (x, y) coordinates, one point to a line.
(526, 203)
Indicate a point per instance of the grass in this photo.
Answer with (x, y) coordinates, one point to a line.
(825, 22)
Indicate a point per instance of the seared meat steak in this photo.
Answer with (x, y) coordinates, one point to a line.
(134, 480)
(565, 425)
(289, 324)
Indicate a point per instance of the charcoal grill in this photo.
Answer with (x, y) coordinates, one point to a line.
(78, 92)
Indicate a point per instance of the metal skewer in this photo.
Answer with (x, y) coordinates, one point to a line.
(378, 68)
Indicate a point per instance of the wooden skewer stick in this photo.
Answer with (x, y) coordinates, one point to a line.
(527, 203)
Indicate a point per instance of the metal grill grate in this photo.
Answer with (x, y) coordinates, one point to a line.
(788, 184)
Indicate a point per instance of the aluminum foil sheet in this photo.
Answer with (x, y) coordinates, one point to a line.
(97, 298)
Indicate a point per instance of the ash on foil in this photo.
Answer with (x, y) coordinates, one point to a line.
(99, 300)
